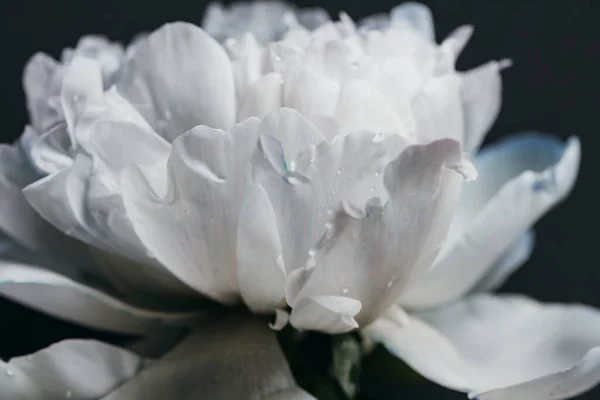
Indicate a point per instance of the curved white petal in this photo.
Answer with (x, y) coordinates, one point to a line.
(371, 255)
(305, 191)
(237, 357)
(191, 228)
(329, 314)
(64, 298)
(261, 97)
(53, 152)
(501, 347)
(518, 253)
(415, 16)
(260, 270)
(40, 82)
(521, 179)
(481, 101)
(438, 111)
(179, 77)
(409, 15)
(361, 106)
(265, 20)
(18, 219)
(71, 369)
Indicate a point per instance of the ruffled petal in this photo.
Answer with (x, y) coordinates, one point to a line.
(371, 255)
(265, 20)
(521, 179)
(71, 369)
(55, 294)
(500, 347)
(237, 357)
(191, 227)
(179, 77)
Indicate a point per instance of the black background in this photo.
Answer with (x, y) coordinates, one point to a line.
(553, 87)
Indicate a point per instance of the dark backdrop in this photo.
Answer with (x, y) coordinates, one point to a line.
(553, 87)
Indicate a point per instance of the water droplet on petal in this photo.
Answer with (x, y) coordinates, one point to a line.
(339, 172)
(390, 283)
(345, 290)
(9, 372)
(372, 189)
(186, 211)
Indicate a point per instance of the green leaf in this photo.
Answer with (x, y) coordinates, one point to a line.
(346, 360)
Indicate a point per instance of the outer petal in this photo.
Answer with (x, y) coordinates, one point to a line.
(40, 82)
(414, 15)
(372, 256)
(521, 179)
(235, 358)
(481, 99)
(261, 273)
(179, 77)
(62, 297)
(191, 228)
(265, 20)
(501, 348)
(72, 369)
(506, 265)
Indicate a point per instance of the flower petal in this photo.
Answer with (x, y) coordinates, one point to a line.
(191, 226)
(506, 265)
(481, 100)
(329, 314)
(77, 369)
(521, 179)
(265, 20)
(314, 183)
(261, 97)
(415, 16)
(372, 255)
(64, 298)
(237, 357)
(260, 270)
(501, 347)
(438, 110)
(39, 83)
(179, 77)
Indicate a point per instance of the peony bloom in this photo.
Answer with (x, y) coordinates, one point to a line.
(317, 178)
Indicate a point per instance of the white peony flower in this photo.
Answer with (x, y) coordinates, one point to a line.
(314, 178)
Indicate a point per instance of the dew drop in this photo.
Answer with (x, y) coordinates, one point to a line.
(230, 42)
(390, 283)
(276, 58)
(345, 290)
(186, 211)
(372, 189)
(339, 172)
(9, 372)
(333, 192)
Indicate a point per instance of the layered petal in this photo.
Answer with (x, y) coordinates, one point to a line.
(500, 347)
(481, 101)
(265, 20)
(237, 357)
(179, 77)
(521, 179)
(71, 300)
(517, 255)
(373, 255)
(71, 369)
(191, 228)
